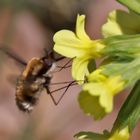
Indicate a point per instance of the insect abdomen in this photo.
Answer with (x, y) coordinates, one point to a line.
(27, 95)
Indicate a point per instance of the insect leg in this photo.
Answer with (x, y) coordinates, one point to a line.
(63, 67)
(71, 83)
(48, 91)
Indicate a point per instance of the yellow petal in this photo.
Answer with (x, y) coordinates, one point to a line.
(68, 51)
(80, 68)
(80, 28)
(67, 38)
(90, 105)
(97, 76)
(67, 44)
(100, 90)
(111, 27)
(120, 134)
(106, 100)
(113, 84)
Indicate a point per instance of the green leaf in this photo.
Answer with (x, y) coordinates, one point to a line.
(130, 111)
(131, 4)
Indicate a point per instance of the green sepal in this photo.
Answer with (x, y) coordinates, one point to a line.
(131, 4)
(122, 46)
(129, 71)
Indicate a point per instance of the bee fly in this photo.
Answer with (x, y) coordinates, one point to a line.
(32, 81)
(35, 77)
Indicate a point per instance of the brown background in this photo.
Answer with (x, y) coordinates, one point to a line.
(27, 34)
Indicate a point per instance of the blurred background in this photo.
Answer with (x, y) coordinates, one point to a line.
(27, 27)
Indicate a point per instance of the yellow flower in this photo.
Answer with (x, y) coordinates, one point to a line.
(96, 99)
(117, 23)
(122, 134)
(77, 46)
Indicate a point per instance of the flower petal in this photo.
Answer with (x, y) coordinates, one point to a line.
(122, 134)
(68, 51)
(105, 98)
(117, 23)
(80, 68)
(90, 105)
(67, 38)
(80, 28)
(67, 44)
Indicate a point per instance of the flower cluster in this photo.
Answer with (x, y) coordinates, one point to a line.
(119, 51)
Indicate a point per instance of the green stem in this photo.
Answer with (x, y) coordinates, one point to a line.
(129, 114)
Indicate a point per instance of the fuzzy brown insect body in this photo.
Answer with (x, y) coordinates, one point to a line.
(35, 77)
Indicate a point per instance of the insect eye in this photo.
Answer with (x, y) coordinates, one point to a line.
(48, 62)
